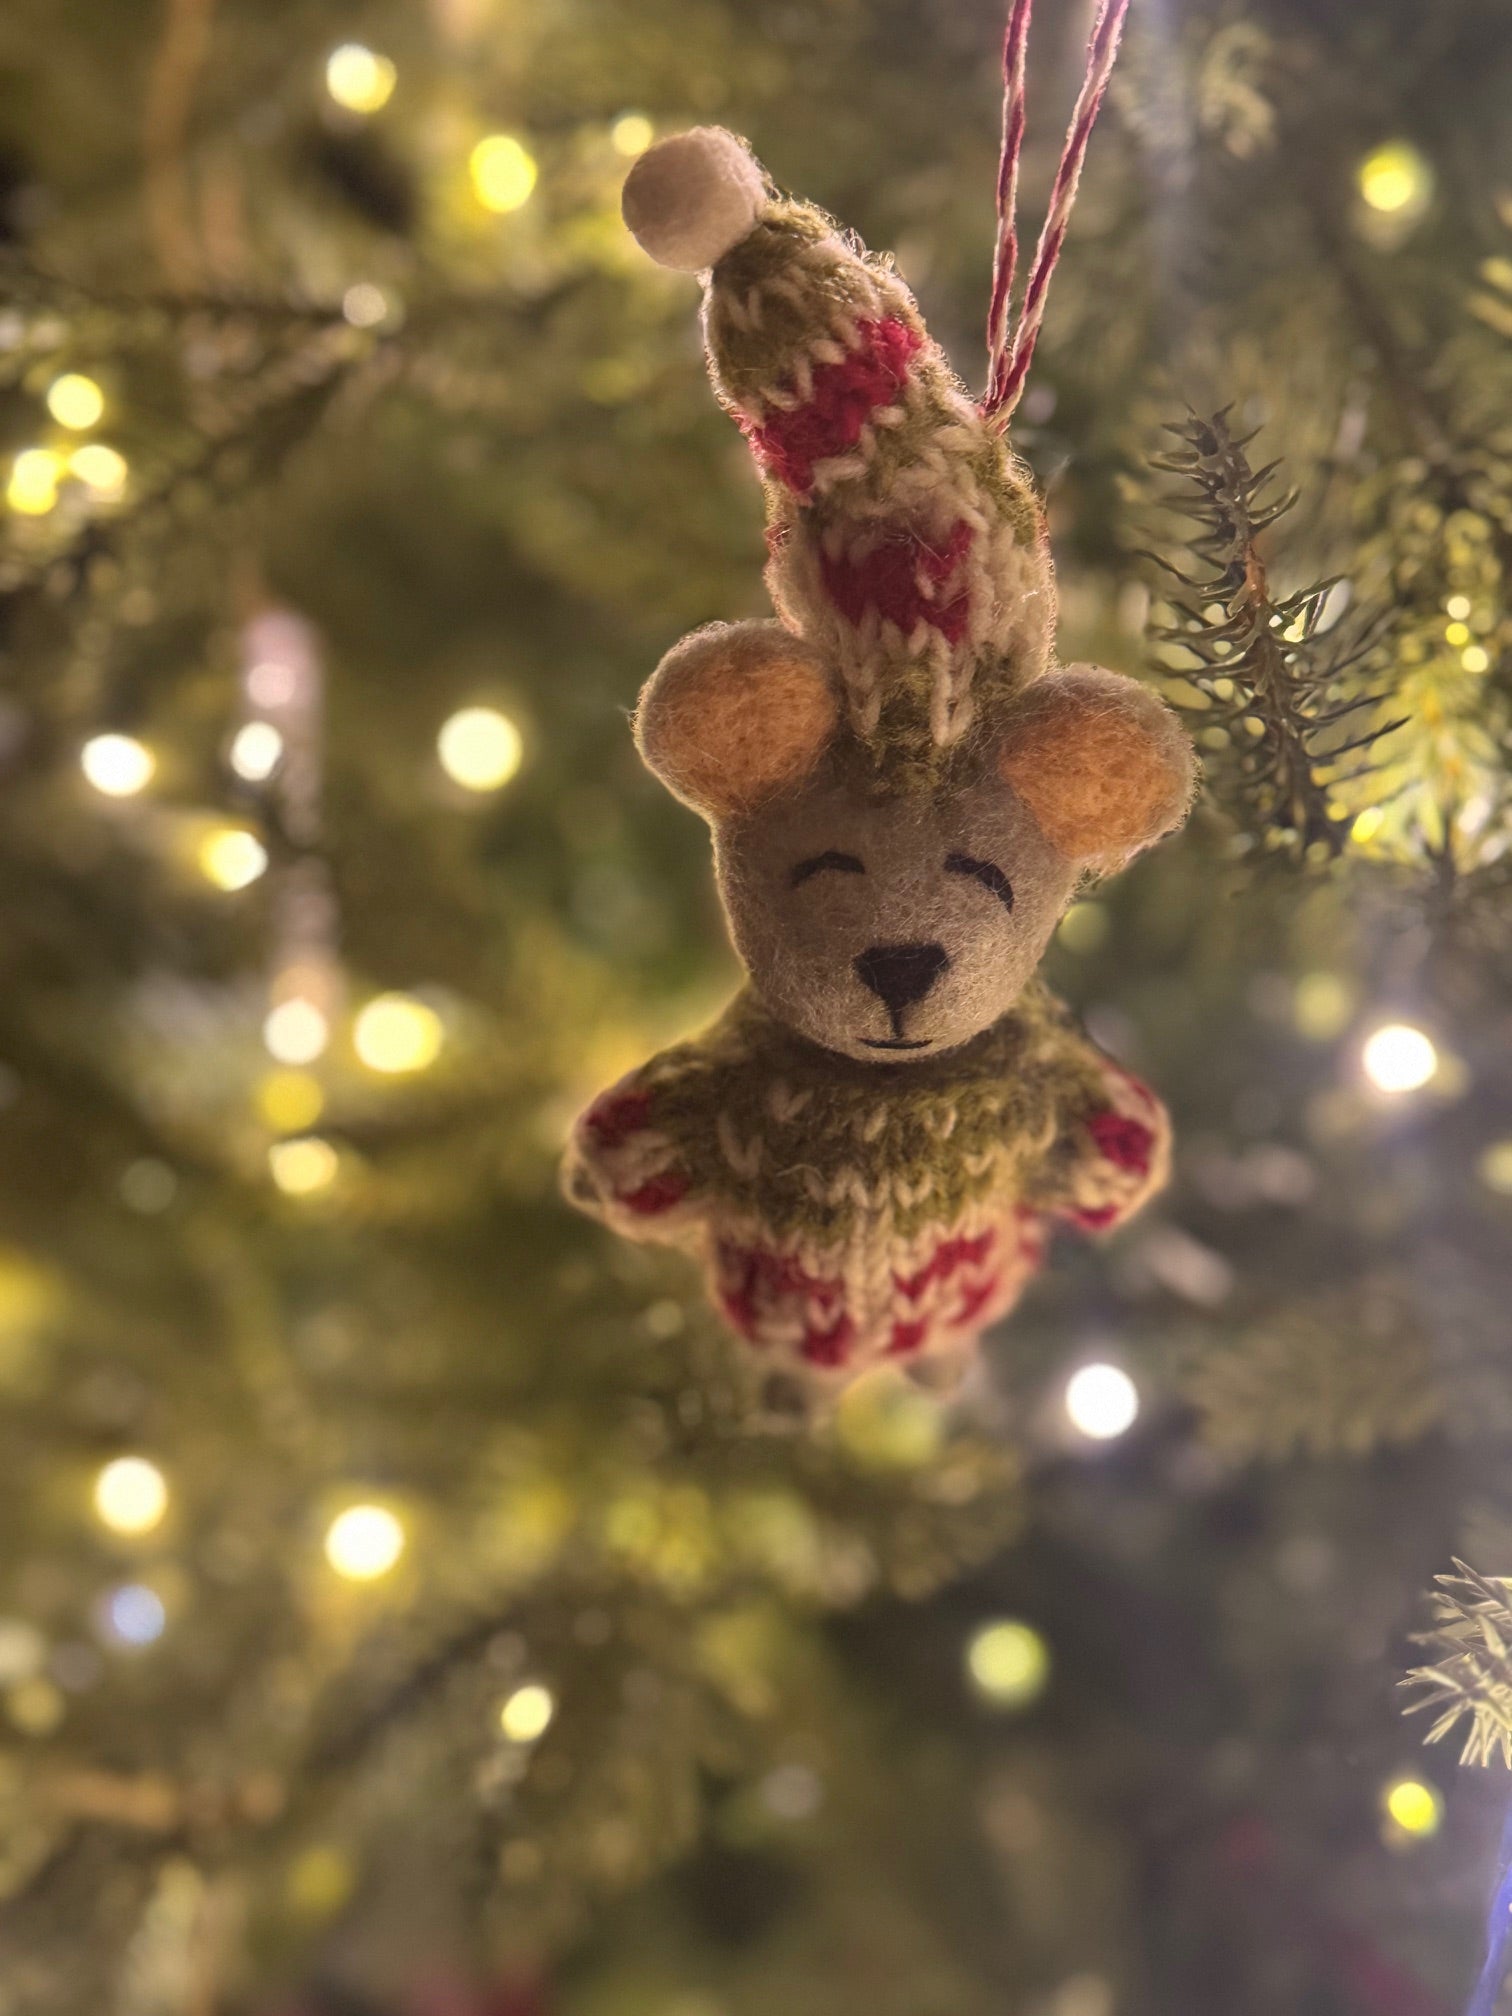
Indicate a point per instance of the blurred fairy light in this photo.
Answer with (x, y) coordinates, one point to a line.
(75, 402)
(303, 1166)
(232, 858)
(131, 1495)
(1415, 1808)
(35, 1706)
(1495, 1167)
(133, 1614)
(1457, 607)
(33, 486)
(631, 134)
(296, 1032)
(1102, 1402)
(480, 748)
(364, 305)
(526, 1715)
(364, 1542)
(395, 1033)
(359, 79)
(99, 468)
(321, 1880)
(1399, 1058)
(290, 1101)
(1322, 1004)
(1395, 180)
(255, 751)
(1009, 1663)
(117, 765)
(503, 172)
(1475, 658)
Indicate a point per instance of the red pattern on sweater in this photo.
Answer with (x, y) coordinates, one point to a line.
(614, 1118)
(906, 580)
(844, 396)
(753, 1278)
(828, 1347)
(1125, 1142)
(975, 1299)
(658, 1193)
(943, 1262)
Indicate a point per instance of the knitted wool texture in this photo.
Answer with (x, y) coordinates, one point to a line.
(843, 1216)
(906, 540)
(866, 1152)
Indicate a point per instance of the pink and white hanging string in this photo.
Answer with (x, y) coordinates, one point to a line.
(1009, 350)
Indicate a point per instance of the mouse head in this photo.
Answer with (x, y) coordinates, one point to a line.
(903, 793)
(891, 924)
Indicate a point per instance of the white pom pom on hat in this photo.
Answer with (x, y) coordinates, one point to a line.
(691, 199)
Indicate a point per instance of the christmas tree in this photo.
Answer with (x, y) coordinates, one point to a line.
(403, 1608)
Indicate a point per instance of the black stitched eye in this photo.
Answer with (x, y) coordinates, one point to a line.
(846, 863)
(987, 873)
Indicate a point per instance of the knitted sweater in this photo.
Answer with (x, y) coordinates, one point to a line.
(848, 1212)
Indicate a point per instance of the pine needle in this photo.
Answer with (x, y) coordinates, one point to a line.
(1275, 685)
(1472, 1675)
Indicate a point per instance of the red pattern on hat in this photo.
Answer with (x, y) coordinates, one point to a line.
(907, 580)
(844, 397)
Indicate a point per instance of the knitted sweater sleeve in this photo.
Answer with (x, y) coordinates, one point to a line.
(1112, 1147)
(623, 1165)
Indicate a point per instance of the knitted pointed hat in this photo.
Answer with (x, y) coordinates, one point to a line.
(907, 542)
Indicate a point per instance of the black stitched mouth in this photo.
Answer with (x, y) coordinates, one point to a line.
(893, 1043)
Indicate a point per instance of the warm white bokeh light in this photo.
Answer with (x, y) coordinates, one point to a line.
(527, 1714)
(75, 401)
(503, 172)
(396, 1033)
(631, 134)
(1009, 1663)
(480, 748)
(290, 1101)
(364, 1542)
(1102, 1401)
(296, 1032)
(359, 79)
(130, 1495)
(364, 305)
(231, 857)
(303, 1166)
(1399, 1058)
(1395, 179)
(99, 468)
(117, 765)
(256, 751)
(1415, 1807)
(33, 487)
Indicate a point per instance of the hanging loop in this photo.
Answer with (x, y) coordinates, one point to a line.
(1008, 358)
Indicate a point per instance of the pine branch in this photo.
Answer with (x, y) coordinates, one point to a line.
(1274, 684)
(1472, 1677)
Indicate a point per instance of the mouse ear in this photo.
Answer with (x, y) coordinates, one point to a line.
(734, 713)
(1104, 767)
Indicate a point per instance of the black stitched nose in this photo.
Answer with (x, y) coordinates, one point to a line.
(901, 974)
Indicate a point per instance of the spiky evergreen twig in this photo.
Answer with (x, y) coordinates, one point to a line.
(1472, 1635)
(1278, 689)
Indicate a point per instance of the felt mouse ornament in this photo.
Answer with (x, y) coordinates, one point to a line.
(868, 1149)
